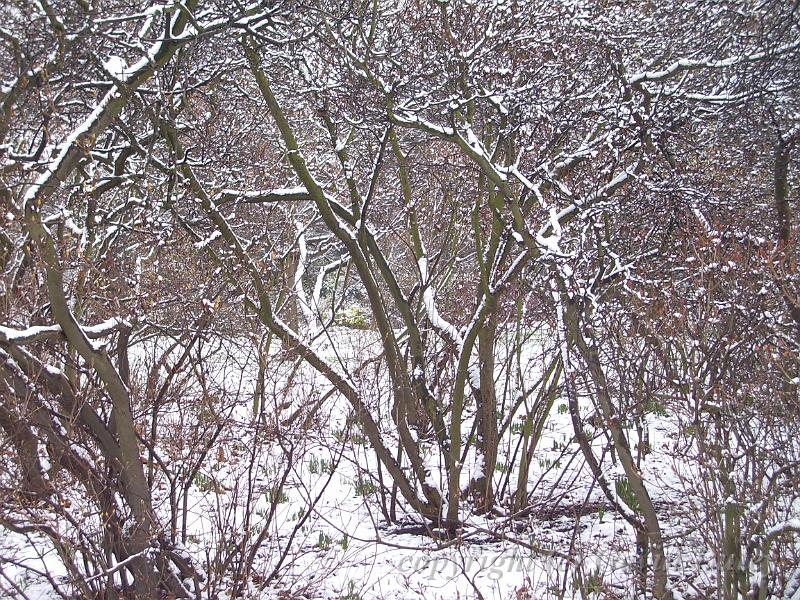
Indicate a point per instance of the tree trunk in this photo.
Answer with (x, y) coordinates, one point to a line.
(588, 350)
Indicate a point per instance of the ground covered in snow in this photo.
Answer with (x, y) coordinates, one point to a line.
(300, 488)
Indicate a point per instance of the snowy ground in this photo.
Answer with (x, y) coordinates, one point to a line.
(343, 548)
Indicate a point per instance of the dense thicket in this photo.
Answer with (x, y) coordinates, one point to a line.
(519, 201)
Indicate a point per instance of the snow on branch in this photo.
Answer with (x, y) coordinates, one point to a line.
(447, 329)
(682, 65)
(790, 526)
(40, 333)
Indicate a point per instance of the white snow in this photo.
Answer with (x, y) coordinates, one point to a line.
(115, 66)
